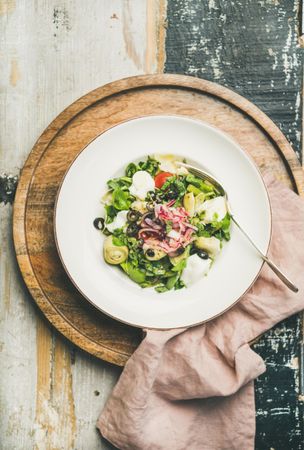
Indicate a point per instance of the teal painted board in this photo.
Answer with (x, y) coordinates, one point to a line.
(251, 46)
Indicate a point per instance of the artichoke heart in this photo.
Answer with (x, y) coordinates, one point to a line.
(154, 254)
(114, 254)
(211, 245)
(189, 203)
(199, 202)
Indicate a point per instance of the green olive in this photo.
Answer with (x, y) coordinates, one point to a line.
(154, 254)
(114, 254)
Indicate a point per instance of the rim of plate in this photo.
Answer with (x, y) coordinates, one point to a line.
(219, 131)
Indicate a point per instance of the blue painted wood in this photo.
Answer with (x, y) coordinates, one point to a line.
(248, 45)
(252, 47)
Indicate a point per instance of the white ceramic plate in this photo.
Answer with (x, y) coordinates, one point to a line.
(80, 244)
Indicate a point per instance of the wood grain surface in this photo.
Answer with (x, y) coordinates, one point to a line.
(53, 52)
(62, 141)
(51, 392)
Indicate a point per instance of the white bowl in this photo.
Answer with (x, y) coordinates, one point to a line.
(80, 244)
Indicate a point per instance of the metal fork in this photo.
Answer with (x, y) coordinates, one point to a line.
(219, 187)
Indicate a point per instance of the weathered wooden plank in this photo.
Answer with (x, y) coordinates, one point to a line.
(248, 45)
(62, 50)
(51, 393)
(251, 46)
(279, 413)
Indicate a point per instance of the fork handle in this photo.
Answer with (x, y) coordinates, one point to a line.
(280, 274)
(271, 264)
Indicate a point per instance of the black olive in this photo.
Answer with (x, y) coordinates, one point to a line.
(171, 194)
(132, 230)
(99, 223)
(133, 216)
(150, 253)
(193, 250)
(150, 206)
(180, 251)
(202, 254)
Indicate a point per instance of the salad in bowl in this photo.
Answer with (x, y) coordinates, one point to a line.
(163, 226)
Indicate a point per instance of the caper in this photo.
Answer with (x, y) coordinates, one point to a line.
(132, 229)
(99, 223)
(133, 215)
(141, 242)
(202, 254)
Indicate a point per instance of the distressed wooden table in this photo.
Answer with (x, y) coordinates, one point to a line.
(52, 52)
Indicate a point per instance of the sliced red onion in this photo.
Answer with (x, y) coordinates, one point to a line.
(146, 231)
(171, 203)
(152, 224)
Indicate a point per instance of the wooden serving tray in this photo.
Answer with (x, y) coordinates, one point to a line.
(62, 141)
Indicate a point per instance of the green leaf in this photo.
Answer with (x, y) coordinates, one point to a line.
(121, 199)
(133, 272)
(119, 238)
(111, 213)
(131, 169)
(120, 183)
(194, 189)
(151, 166)
(173, 188)
(161, 288)
(221, 229)
(179, 284)
(171, 281)
(179, 267)
(198, 183)
(202, 231)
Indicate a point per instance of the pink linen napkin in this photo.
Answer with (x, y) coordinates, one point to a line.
(193, 388)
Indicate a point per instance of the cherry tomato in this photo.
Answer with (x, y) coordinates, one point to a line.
(161, 178)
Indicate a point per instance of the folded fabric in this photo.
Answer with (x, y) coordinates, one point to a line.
(192, 388)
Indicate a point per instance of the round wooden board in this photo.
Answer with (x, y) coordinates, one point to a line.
(68, 134)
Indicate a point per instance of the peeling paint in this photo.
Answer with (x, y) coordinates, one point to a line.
(251, 49)
(61, 18)
(254, 51)
(8, 186)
